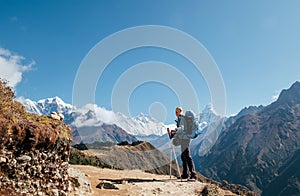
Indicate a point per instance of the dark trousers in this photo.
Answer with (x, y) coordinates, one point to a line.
(187, 161)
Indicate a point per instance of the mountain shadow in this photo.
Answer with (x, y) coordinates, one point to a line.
(259, 150)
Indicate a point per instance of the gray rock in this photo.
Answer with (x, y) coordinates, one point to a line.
(106, 185)
(83, 184)
(63, 193)
(55, 192)
(2, 160)
(24, 158)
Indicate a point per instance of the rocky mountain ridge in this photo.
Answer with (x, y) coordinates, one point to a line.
(258, 149)
(102, 133)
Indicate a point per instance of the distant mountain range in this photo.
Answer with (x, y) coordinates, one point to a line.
(260, 150)
(89, 121)
(93, 115)
(92, 123)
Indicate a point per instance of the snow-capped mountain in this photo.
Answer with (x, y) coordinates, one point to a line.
(46, 106)
(141, 125)
(31, 106)
(207, 116)
(93, 115)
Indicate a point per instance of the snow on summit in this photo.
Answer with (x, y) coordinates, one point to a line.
(93, 115)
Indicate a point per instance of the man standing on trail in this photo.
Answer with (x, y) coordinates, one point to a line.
(187, 161)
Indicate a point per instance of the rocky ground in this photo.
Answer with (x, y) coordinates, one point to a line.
(137, 182)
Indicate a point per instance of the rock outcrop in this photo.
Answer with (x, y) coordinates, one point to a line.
(34, 151)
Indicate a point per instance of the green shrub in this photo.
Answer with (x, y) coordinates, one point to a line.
(79, 158)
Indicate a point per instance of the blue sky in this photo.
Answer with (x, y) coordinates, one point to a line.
(255, 45)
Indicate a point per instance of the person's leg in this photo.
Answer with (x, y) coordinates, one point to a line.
(190, 163)
(184, 166)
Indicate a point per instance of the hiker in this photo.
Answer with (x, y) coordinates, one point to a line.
(187, 161)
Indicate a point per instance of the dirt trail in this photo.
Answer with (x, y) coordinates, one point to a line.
(136, 183)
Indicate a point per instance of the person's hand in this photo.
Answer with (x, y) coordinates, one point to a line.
(171, 133)
(168, 130)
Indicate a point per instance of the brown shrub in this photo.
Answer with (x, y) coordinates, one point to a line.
(20, 128)
(9, 108)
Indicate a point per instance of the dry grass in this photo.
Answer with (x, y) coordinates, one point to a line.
(16, 113)
(9, 108)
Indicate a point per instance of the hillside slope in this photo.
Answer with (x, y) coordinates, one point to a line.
(141, 155)
(34, 150)
(258, 148)
(101, 133)
(288, 180)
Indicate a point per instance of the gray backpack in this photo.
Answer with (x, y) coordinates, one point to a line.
(191, 129)
(191, 122)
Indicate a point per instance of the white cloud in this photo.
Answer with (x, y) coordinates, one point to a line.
(93, 115)
(12, 67)
(275, 96)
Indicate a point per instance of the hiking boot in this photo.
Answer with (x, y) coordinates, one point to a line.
(183, 177)
(193, 178)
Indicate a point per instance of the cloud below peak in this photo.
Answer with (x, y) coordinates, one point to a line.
(12, 67)
(275, 96)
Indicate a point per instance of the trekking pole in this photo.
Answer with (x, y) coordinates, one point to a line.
(170, 160)
(172, 149)
(178, 169)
